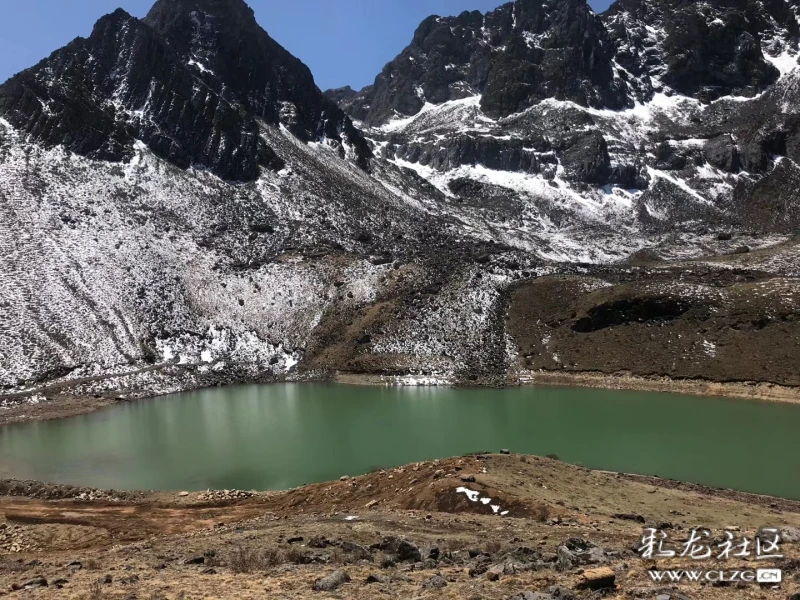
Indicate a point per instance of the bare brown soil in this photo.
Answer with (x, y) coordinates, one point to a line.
(768, 392)
(275, 545)
(708, 326)
(57, 406)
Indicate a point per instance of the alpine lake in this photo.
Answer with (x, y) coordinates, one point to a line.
(272, 437)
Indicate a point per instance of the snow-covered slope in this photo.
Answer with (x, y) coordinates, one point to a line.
(181, 206)
(685, 134)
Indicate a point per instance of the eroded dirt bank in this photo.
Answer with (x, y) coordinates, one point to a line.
(398, 533)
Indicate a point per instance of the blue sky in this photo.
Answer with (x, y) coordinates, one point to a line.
(344, 42)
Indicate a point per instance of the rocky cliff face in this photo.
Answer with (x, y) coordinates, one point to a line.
(530, 50)
(192, 82)
(669, 108)
(181, 206)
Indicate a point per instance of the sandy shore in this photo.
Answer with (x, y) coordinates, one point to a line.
(767, 392)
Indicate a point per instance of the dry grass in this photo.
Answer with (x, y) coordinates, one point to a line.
(540, 513)
(96, 591)
(92, 565)
(337, 556)
(295, 556)
(247, 560)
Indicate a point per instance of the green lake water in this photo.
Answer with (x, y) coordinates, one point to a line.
(274, 437)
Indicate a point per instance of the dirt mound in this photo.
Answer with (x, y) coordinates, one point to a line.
(428, 486)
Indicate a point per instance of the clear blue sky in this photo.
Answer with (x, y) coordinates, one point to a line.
(344, 42)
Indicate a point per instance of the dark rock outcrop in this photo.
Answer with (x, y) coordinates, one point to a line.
(192, 81)
(515, 56)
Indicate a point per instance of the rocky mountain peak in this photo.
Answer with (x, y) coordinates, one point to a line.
(514, 56)
(529, 50)
(193, 81)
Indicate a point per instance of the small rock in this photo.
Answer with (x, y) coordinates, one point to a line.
(319, 542)
(505, 451)
(108, 579)
(434, 553)
(197, 560)
(629, 517)
(494, 573)
(331, 582)
(294, 540)
(408, 551)
(598, 579)
(575, 552)
(60, 583)
(790, 535)
(36, 582)
(209, 571)
(370, 504)
(183, 494)
(481, 565)
(377, 578)
(435, 582)
(467, 478)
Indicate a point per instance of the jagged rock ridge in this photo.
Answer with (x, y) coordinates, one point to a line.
(192, 81)
(529, 50)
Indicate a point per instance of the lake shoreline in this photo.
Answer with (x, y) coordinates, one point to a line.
(757, 391)
(63, 404)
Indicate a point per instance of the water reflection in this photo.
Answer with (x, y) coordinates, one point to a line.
(279, 436)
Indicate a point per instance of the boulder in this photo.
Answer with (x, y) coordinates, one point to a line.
(331, 582)
(790, 535)
(598, 579)
(538, 596)
(721, 152)
(38, 581)
(494, 573)
(629, 517)
(408, 551)
(480, 566)
(402, 549)
(587, 160)
(435, 582)
(576, 552)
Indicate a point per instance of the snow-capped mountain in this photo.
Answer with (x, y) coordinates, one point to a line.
(653, 114)
(182, 206)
